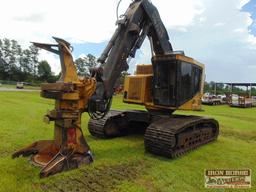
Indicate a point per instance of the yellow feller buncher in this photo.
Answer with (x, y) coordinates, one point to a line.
(173, 81)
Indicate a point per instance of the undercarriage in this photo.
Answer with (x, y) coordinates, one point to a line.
(168, 136)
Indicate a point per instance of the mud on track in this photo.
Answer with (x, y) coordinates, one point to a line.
(98, 179)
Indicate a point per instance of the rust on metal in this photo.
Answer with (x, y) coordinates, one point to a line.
(68, 149)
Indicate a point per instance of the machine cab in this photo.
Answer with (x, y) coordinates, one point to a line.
(176, 79)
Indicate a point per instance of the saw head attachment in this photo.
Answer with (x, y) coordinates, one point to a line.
(69, 148)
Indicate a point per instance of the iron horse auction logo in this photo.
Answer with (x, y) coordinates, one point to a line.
(221, 178)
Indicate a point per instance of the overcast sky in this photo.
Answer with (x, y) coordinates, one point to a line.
(218, 33)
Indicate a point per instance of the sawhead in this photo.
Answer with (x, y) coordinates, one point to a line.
(68, 149)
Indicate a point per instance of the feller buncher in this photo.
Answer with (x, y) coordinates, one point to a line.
(173, 81)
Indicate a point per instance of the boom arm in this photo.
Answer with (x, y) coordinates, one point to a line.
(140, 20)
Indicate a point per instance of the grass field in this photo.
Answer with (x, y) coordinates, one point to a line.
(25, 86)
(121, 163)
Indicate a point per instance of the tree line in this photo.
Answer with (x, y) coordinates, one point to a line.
(23, 65)
(222, 88)
(17, 64)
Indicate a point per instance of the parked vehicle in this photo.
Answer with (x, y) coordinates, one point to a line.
(254, 101)
(211, 99)
(19, 85)
(242, 101)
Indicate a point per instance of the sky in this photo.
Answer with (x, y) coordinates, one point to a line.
(220, 34)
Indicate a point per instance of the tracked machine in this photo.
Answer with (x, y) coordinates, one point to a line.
(173, 81)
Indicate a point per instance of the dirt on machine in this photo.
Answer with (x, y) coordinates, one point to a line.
(165, 133)
(173, 81)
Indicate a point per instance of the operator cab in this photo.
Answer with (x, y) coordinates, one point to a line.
(176, 79)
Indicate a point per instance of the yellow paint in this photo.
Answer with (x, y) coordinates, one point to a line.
(138, 88)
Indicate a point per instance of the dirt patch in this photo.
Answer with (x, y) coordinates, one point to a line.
(249, 119)
(243, 135)
(148, 184)
(101, 179)
(6, 153)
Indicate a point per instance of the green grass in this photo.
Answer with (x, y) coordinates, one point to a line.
(121, 163)
(25, 86)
